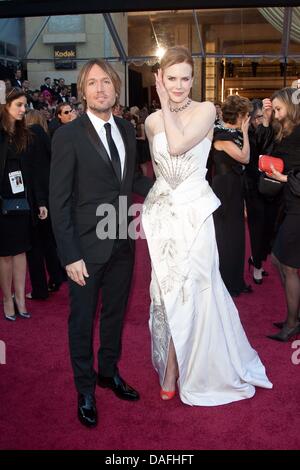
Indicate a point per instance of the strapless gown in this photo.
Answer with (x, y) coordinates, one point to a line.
(189, 301)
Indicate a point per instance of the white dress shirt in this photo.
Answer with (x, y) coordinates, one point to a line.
(98, 124)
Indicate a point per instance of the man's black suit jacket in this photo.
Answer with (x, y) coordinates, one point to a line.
(81, 178)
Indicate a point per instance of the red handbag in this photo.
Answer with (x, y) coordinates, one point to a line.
(265, 162)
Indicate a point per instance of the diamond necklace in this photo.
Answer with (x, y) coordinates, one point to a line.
(181, 108)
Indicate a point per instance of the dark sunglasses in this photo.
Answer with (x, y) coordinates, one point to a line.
(67, 111)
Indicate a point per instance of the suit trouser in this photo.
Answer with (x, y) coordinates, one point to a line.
(114, 279)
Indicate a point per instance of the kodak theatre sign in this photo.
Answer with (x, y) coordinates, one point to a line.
(65, 52)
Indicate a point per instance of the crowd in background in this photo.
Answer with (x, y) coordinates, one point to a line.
(243, 131)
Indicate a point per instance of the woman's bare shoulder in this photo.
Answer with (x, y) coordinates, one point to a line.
(152, 122)
(205, 106)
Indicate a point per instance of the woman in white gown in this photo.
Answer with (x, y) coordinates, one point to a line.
(197, 337)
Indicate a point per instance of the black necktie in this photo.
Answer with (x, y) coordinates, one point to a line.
(114, 154)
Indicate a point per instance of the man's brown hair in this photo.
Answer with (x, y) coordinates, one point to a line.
(107, 68)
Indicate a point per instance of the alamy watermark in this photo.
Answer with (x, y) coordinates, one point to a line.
(114, 222)
(296, 354)
(120, 221)
(296, 96)
(2, 352)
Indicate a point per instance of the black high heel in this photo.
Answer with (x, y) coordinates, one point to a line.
(285, 333)
(22, 314)
(9, 317)
(280, 324)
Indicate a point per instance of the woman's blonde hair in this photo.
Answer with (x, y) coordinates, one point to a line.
(33, 116)
(176, 55)
(107, 68)
(285, 128)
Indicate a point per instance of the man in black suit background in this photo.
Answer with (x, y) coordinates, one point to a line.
(47, 86)
(93, 163)
(17, 81)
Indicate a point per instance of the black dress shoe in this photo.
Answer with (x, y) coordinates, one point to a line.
(32, 296)
(279, 324)
(54, 286)
(119, 387)
(87, 411)
(247, 289)
(285, 334)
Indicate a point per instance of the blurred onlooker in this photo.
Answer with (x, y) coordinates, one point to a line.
(34, 99)
(17, 81)
(285, 110)
(47, 85)
(47, 96)
(8, 85)
(25, 86)
(73, 101)
(46, 112)
(63, 95)
(134, 115)
(19, 159)
(43, 251)
(230, 153)
(61, 83)
(261, 210)
(80, 109)
(154, 106)
(143, 151)
(219, 114)
(27, 91)
(64, 113)
(118, 110)
(144, 113)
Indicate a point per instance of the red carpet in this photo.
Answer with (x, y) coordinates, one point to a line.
(38, 399)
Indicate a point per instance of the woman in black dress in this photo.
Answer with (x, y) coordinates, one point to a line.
(230, 154)
(17, 180)
(286, 250)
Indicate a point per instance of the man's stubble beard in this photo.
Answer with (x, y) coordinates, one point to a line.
(100, 110)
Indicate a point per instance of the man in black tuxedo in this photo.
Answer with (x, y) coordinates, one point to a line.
(47, 86)
(93, 163)
(17, 81)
